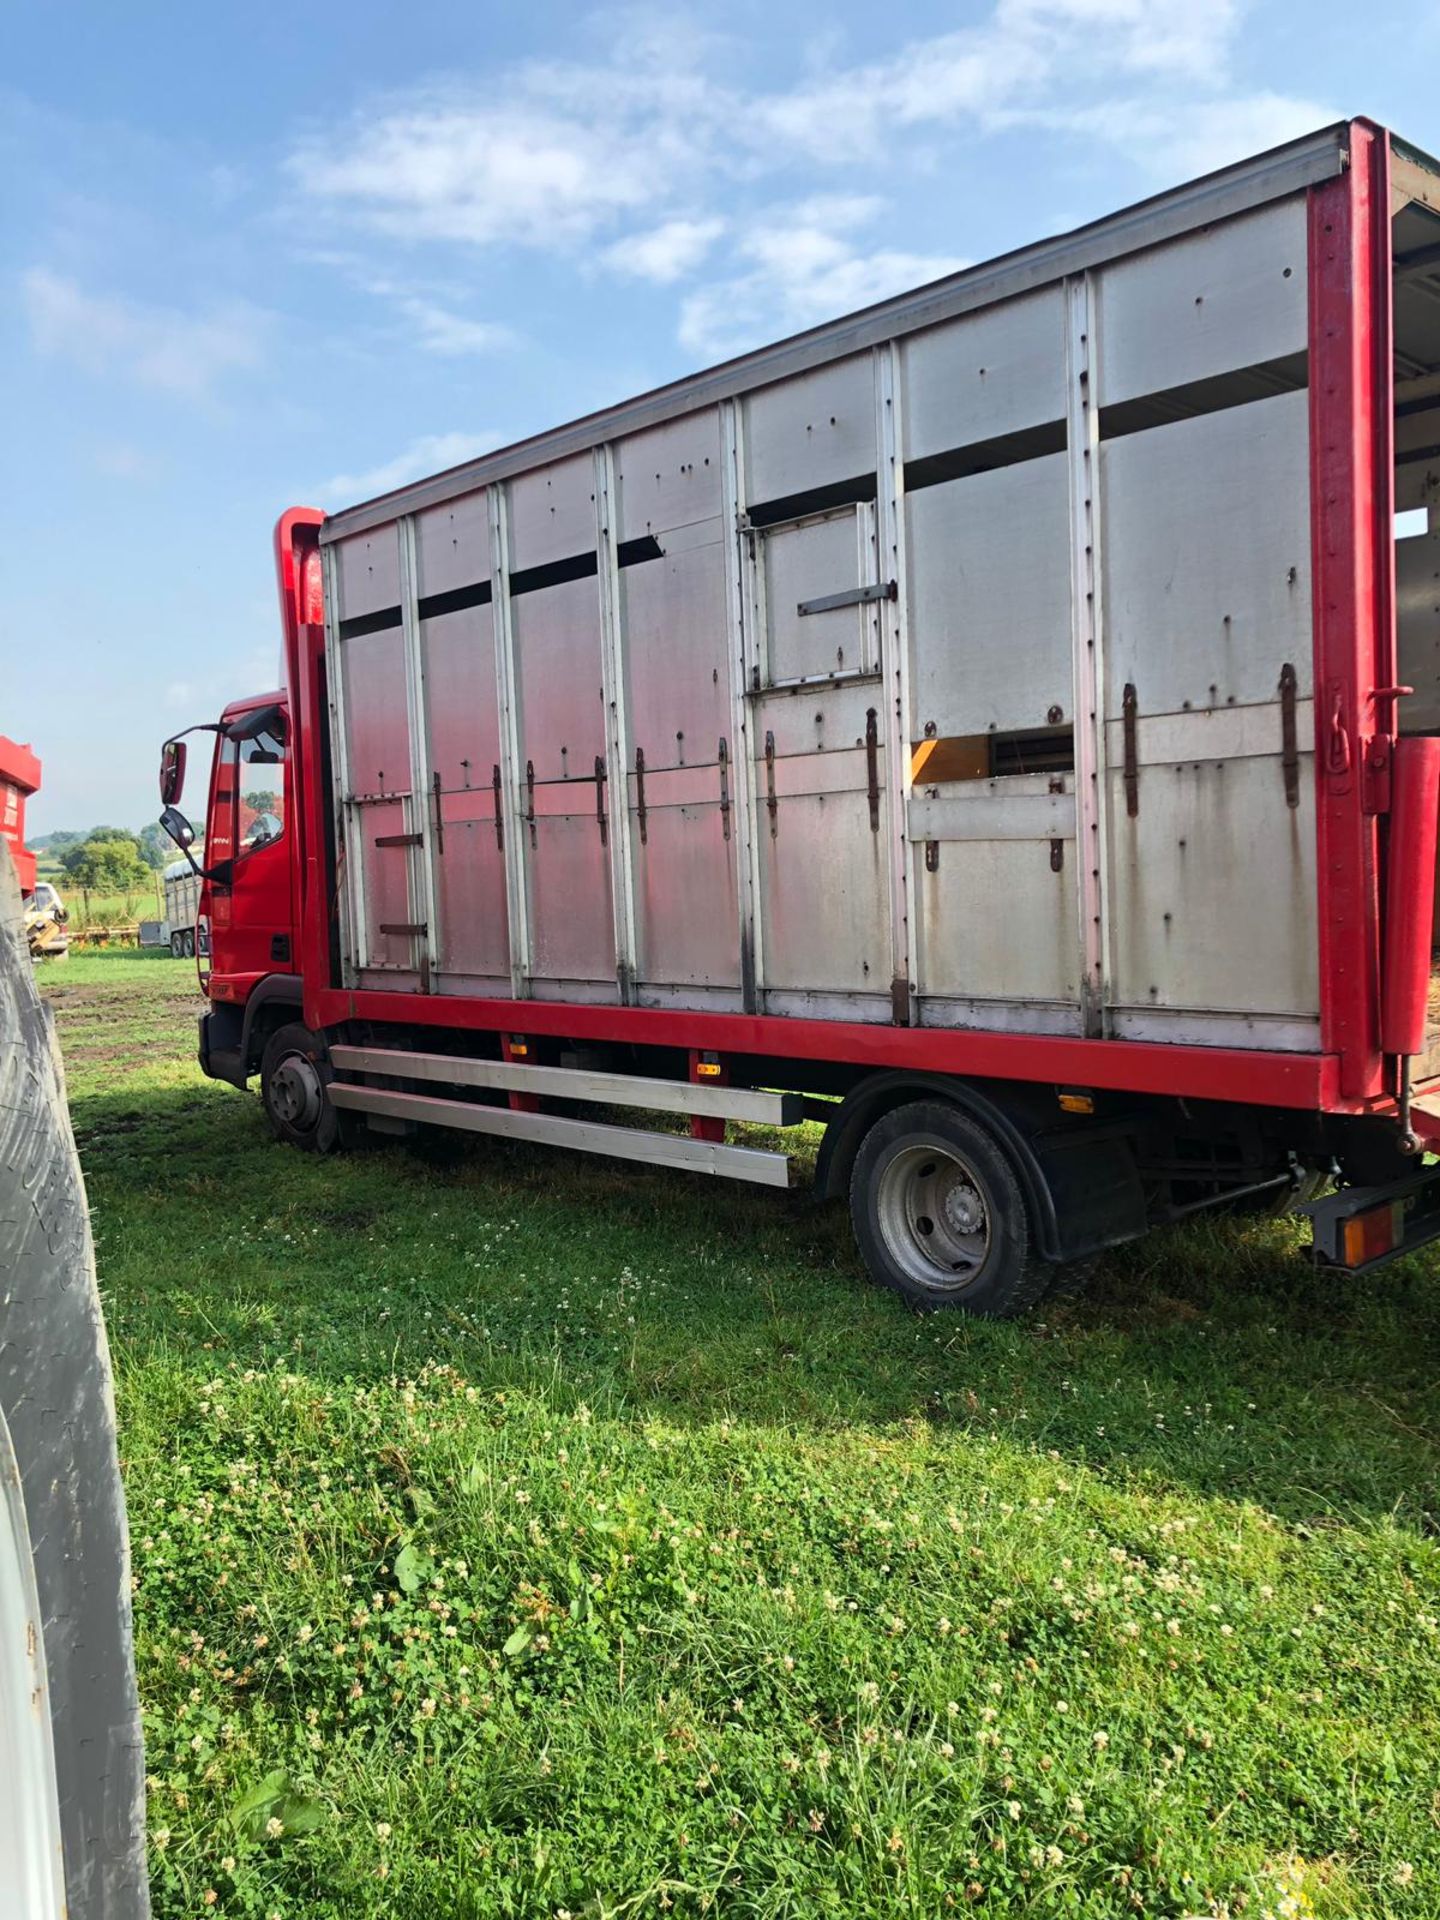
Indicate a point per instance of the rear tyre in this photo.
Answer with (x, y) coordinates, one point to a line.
(177, 945)
(939, 1215)
(189, 939)
(295, 1088)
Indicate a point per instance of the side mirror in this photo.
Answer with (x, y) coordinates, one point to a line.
(178, 827)
(172, 774)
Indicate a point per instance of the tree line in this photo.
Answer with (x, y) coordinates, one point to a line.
(109, 859)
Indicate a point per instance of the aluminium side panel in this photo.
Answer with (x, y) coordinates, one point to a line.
(1211, 930)
(368, 639)
(674, 675)
(817, 764)
(988, 573)
(559, 679)
(457, 650)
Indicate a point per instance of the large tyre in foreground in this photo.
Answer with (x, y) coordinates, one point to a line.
(940, 1216)
(67, 1668)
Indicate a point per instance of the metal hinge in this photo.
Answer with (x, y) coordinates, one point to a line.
(530, 800)
(872, 768)
(600, 797)
(771, 802)
(724, 757)
(495, 788)
(439, 817)
(1129, 711)
(852, 597)
(399, 839)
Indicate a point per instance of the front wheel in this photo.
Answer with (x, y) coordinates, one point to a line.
(294, 1087)
(939, 1214)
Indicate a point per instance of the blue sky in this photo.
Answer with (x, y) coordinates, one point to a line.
(257, 257)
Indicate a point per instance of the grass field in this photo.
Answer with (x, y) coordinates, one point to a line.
(524, 1536)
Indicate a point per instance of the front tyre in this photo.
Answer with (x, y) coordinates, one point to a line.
(939, 1214)
(295, 1089)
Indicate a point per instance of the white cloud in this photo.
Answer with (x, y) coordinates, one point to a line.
(431, 453)
(534, 172)
(797, 268)
(639, 164)
(1214, 133)
(440, 331)
(161, 347)
(118, 460)
(664, 253)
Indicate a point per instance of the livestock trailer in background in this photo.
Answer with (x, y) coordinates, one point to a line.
(987, 724)
(182, 908)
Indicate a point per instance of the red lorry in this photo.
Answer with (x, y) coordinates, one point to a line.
(999, 725)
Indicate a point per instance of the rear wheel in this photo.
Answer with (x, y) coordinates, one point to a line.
(294, 1086)
(189, 939)
(177, 944)
(939, 1214)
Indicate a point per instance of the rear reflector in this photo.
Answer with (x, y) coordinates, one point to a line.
(1366, 1236)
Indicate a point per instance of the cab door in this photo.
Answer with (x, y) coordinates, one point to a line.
(250, 912)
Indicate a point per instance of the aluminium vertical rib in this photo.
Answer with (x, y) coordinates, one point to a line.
(742, 755)
(1087, 636)
(348, 826)
(895, 672)
(424, 892)
(617, 731)
(517, 843)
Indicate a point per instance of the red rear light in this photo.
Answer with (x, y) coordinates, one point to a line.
(312, 597)
(1367, 1235)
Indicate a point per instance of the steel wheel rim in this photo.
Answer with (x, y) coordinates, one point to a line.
(934, 1216)
(296, 1092)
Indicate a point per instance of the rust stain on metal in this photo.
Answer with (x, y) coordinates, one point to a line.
(1289, 745)
(640, 813)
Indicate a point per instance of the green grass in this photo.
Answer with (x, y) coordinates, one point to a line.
(519, 1535)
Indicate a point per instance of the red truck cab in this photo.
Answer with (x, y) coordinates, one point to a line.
(252, 898)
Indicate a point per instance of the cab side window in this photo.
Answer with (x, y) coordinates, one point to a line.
(261, 795)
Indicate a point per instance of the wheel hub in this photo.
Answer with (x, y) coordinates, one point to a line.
(964, 1209)
(296, 1092)
(934, 1216)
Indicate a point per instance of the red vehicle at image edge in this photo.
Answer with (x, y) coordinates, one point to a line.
(1001, 725)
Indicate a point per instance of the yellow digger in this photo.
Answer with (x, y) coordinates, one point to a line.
(45, 922)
